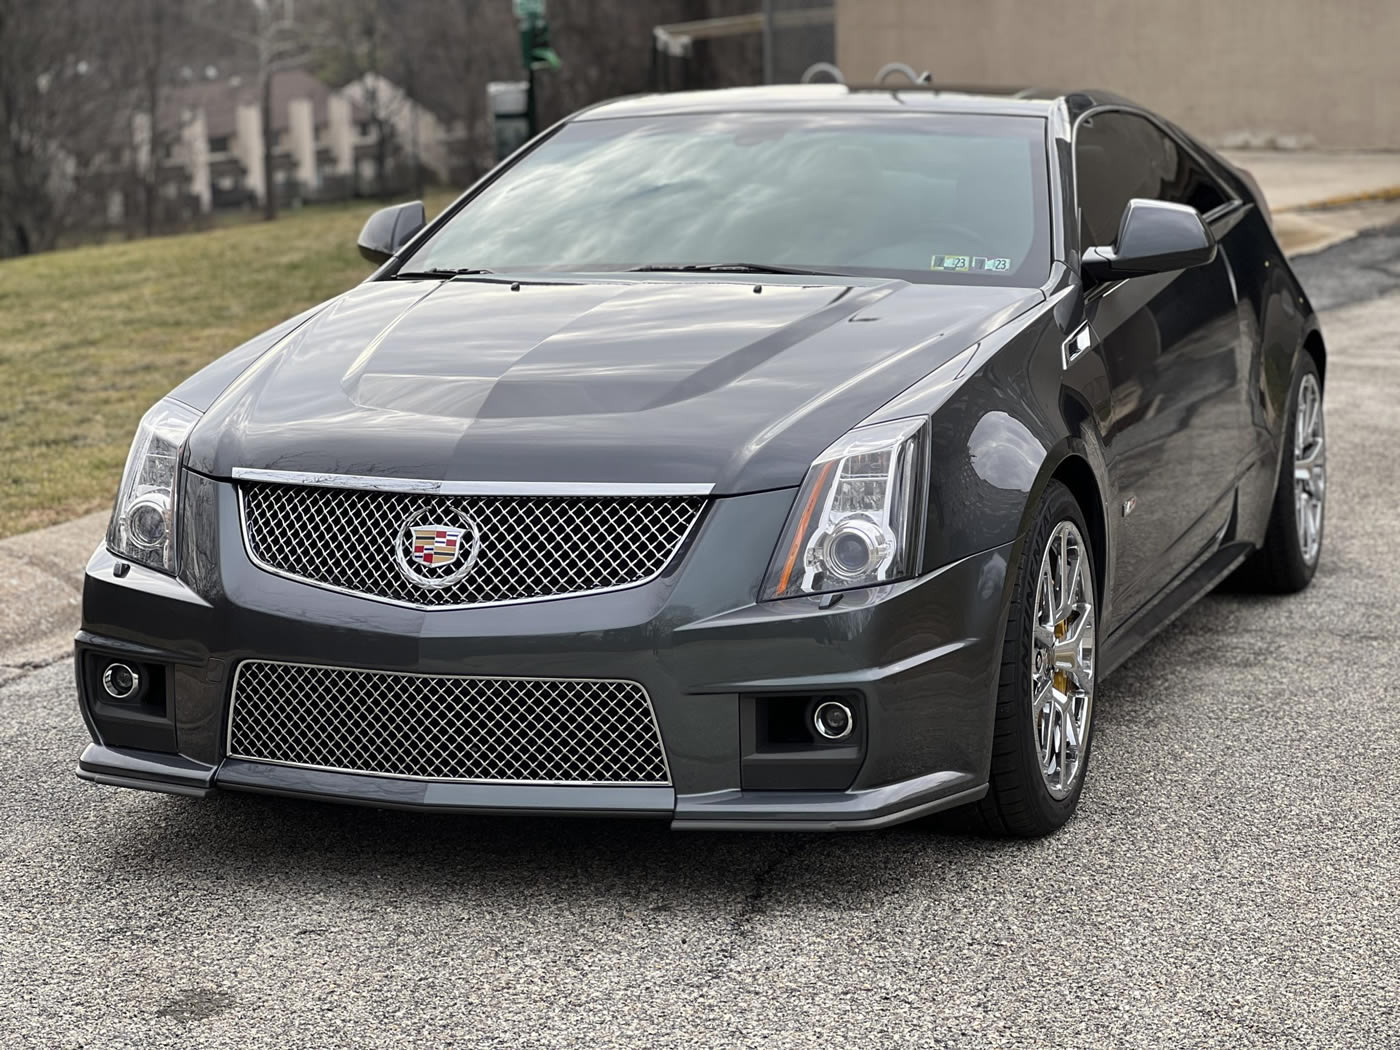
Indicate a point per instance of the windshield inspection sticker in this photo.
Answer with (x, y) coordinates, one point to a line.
(968, 264)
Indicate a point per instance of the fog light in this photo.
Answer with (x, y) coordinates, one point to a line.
(833, 720)
(120, 681)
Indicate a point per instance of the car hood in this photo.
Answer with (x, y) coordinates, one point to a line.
(656, 379)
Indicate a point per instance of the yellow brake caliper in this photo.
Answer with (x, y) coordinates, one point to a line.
(1061, 678)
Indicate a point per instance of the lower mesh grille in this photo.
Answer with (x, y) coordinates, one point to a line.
(440, 727)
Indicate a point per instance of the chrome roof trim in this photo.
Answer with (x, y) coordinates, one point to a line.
(468, 488)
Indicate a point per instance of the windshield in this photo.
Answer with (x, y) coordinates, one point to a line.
(950, 198)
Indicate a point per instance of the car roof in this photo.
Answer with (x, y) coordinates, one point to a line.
(992, 101)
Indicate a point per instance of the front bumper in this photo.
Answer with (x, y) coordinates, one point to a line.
(922, 657)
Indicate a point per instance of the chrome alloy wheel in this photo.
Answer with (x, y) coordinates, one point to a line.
(1309, 468)
(1062, 659)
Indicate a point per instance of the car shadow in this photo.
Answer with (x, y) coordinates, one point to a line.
(235, 842)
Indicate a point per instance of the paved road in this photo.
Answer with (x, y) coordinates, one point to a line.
(1232, 880)
(1363, 268)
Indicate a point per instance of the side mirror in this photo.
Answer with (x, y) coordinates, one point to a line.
(1154, 237)
(389, 229)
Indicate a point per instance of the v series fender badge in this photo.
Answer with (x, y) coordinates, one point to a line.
(1129, 505)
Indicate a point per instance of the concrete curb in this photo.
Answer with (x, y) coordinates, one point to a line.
(41, 579)
(1299, 234)
(1342, 200)
(1304, 230)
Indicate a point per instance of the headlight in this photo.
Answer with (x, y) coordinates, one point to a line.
(143, 523)
(858, 519)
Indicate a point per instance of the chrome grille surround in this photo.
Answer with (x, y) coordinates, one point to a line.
(534, 545)
(576, 731)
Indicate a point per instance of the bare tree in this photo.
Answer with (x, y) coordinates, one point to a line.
(149, 42)
(74, 72)
(359, 43)
(53, 120)
(276, 41)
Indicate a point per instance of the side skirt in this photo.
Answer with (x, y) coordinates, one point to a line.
(1128, 639)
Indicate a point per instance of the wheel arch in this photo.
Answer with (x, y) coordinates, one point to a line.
(1074, 472)
(1076, 463)
(1314, 346)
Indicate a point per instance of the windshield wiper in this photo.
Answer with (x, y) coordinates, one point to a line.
(441, 272)
(736, 267)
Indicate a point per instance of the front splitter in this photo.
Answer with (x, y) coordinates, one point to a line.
(717, 811)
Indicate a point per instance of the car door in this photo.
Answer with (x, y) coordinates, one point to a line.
(1170, 343)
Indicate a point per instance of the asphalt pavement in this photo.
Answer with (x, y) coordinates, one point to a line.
(1232, 878)
(1364, 267)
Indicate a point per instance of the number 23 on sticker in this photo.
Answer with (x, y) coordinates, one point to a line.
(969, 263)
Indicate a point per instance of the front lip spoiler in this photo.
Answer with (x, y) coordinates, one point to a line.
(146, 770)
(722, 811)
(864, 810)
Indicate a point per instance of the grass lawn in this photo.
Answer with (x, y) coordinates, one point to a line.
(91, 337)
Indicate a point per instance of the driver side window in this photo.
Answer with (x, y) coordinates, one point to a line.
(1119, 156)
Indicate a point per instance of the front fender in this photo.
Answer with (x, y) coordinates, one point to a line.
(1007, 419)
(995, 495)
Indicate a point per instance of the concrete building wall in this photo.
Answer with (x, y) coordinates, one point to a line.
(301, 120)
(340, 130)
(195, 135)
(319, 136)
(248, 147)
(1247, 72)
(141, 140)
(418, 131)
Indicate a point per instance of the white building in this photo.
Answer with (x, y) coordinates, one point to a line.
(325, 142)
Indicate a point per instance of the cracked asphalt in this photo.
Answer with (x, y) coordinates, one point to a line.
(1232, 879)
(1365, 267)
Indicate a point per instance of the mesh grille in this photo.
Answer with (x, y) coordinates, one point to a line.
(512, 730)
(525, 546)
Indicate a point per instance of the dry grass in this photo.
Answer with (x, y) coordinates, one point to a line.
(90, 338)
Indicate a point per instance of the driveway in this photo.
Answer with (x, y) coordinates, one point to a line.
(1232, 879)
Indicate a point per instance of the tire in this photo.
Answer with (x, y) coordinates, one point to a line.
(1024, 797)
(1287, 560)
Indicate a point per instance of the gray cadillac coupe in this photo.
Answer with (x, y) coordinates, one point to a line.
(775, 458)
